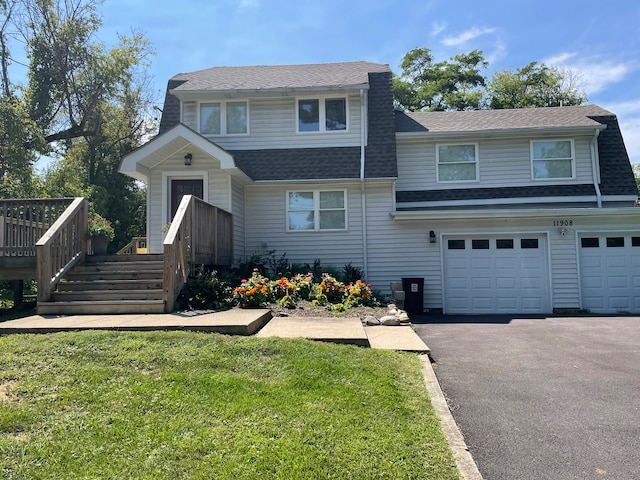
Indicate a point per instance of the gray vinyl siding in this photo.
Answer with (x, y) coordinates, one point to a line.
(238, 210)
(502, 163)
(272, 124)
(564, 271)
(399, 249)
(266, 227)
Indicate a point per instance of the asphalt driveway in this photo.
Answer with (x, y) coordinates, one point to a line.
(543, 398)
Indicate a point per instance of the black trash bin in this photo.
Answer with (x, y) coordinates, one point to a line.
(413, 295)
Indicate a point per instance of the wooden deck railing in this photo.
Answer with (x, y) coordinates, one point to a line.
(199, 234)
(24, 221)
(62, 246)
(137, 246)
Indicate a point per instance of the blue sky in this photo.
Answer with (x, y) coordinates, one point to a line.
(600, 41)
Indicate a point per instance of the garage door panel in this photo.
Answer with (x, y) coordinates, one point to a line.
(610, 275)
(500, 280)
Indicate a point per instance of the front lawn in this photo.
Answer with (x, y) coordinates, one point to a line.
(187, 405)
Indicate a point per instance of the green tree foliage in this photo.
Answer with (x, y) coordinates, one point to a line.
(85, 105)
(459, 84)
(535, 85)
(438, 86)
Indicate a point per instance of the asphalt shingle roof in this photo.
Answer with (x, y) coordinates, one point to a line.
(507, 119)
(272, 77)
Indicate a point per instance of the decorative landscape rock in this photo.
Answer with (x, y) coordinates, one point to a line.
(392, 317)
(371, 320)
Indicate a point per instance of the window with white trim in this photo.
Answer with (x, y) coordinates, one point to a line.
(322, 114)
(552, 159)
(224, 118)
(457, 162)
(316, 210)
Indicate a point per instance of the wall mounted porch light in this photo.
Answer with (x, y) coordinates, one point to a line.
(432, 236)
(187, 159)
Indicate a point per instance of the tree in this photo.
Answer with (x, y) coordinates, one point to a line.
(454, 85)
(535, 85)
(84, 104)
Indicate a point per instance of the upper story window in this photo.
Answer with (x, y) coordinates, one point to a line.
(322, 114)
(316, 210)
(552, 159)
(457, 162)
(224, 118)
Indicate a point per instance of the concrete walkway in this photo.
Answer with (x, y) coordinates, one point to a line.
(231, 322)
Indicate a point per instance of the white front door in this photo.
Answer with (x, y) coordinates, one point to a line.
(610, 272)
(486, 274)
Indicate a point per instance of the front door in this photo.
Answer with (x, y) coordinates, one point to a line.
(180, 188)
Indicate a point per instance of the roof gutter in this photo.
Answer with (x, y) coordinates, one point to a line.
(595, 161)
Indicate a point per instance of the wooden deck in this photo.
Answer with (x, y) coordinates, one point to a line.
(22, 223)
(46, 240)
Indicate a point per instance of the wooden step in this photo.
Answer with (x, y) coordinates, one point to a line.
(100, 307)
(89, 259)
(100, 295)
(144, 284)
(75, 276)
(119, 267)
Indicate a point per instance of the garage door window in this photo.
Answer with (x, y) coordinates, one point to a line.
(615, 242)
(503, 243)
(455, 244)
(529, 243)
(480, 244)
(590, 242)
(635, 241)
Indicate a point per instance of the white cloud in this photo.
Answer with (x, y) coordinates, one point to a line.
(466, 36)
(596, 74)
(437, 28)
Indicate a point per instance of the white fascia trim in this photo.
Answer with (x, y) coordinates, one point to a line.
(498, 201)
(187, 95)
(504, 132)
(130, 161)
(622, 212)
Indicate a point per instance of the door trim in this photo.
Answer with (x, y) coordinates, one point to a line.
(181, 175)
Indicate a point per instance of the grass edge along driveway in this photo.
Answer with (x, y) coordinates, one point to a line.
(191, 405)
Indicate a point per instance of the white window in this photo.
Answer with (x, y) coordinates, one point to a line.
(316, 210)
(552, 159)
(224, 118)
(457, 162)
(322, 114)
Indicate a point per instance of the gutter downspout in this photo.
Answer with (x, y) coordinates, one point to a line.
(595, 161)
(363, 195)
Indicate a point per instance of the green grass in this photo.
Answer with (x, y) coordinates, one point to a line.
(184, 405)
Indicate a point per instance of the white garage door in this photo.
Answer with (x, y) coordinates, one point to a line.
(610, 272)
(496, 274)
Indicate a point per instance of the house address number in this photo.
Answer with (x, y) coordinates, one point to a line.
(563, 223)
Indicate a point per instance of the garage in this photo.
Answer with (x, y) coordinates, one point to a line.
(610, 272)
(487, 274)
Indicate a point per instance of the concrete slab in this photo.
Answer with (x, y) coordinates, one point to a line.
(337, 330)
(229, 322)
(401, 338)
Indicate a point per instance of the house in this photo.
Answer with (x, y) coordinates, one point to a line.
(504, 211)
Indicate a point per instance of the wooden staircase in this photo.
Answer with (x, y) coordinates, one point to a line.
(109, 284)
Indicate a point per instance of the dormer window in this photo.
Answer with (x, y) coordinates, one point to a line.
(552, 159)
(224, 118)
(322, 114)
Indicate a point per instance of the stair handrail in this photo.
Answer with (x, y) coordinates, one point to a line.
(177, 249)
(136, 246)
(63, 245)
